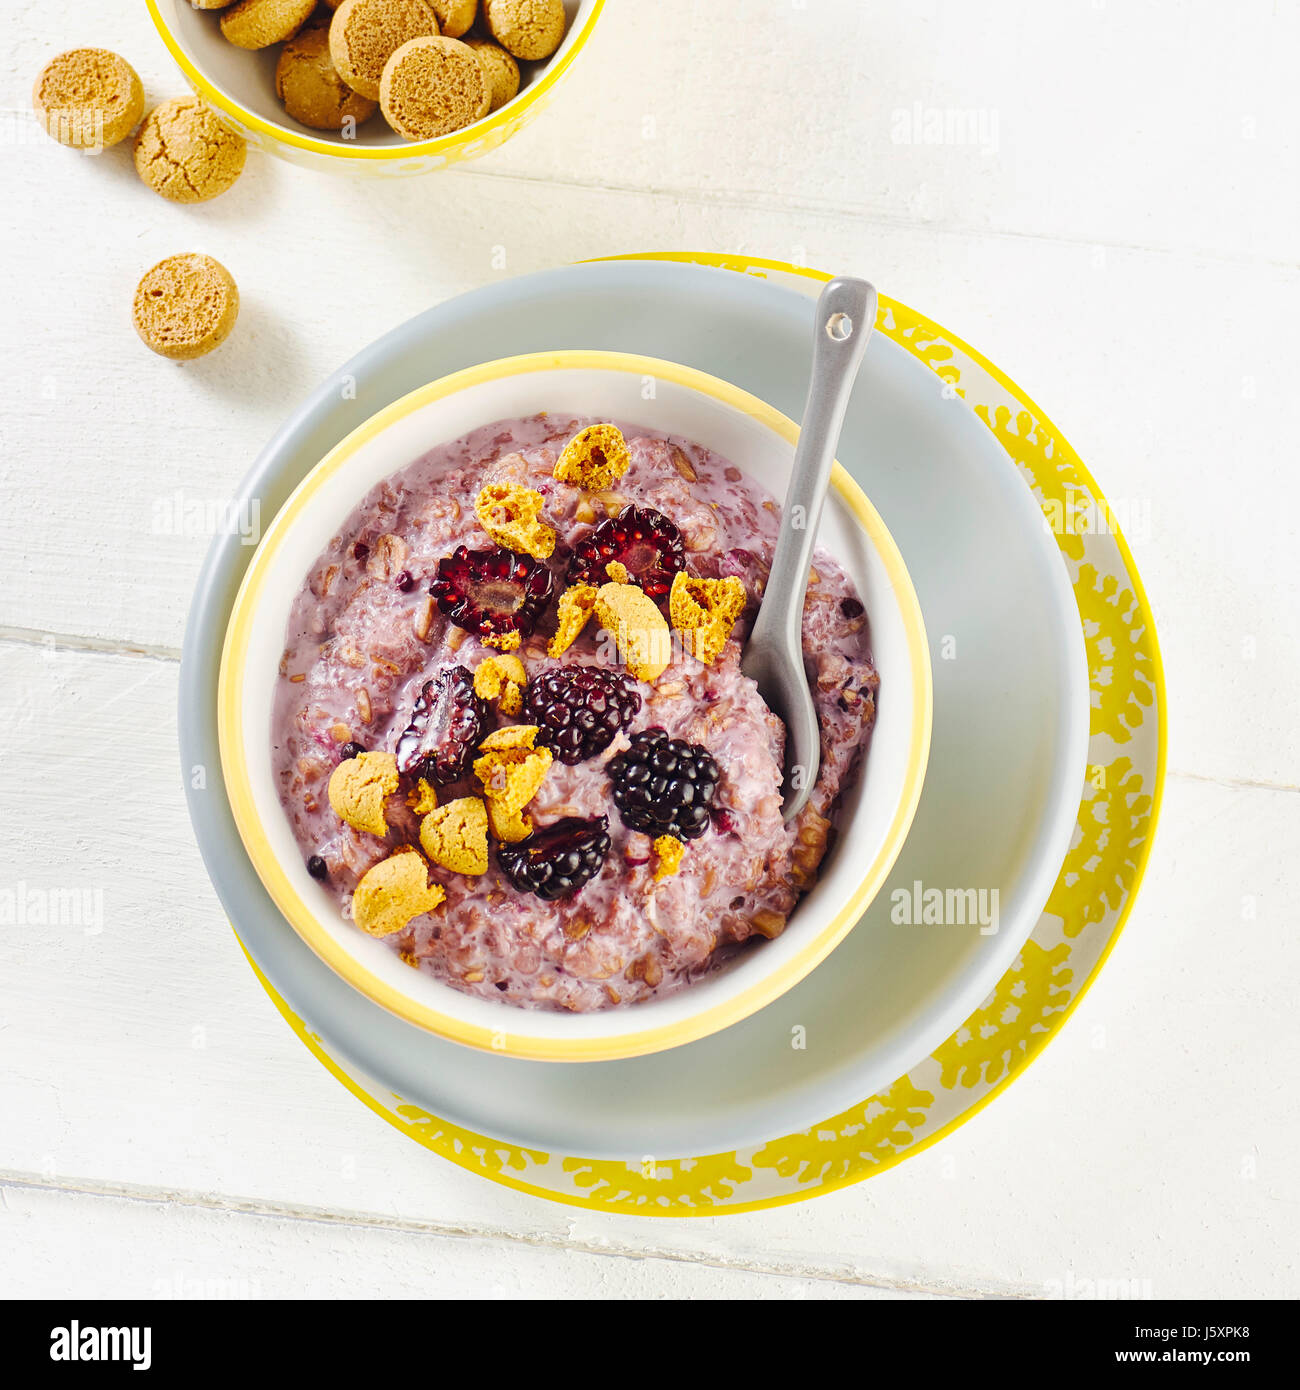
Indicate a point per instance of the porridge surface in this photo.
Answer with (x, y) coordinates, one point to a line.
(364, 636)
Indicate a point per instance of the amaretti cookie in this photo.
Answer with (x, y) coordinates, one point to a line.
(364, 35)
(308, 83)
(433, 86)
(260, 23)
(186, 154)
(501, 69)
(88, 98)
(529, 29)
(455, 16)
(185, 306)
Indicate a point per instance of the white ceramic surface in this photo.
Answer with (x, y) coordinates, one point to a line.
(876, 810)
(1006, 763)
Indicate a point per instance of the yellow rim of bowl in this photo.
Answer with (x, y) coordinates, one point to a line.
(417, 149)
(234, 660)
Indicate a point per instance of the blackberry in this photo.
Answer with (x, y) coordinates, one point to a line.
(445, 729)
(642, 540)
(664, 786)
(491, 593)
(557, 860)
(579, 709)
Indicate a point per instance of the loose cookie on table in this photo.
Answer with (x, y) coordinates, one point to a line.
(88, 98)
(186, 154)
(185, 306)
(432, 87)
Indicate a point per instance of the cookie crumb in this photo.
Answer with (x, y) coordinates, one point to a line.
(501, 678)
(512, 773)
(423, 799)
(669, 850)
(509, 826)
(576, 604)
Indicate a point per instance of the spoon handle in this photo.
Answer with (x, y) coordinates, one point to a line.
(845, 318)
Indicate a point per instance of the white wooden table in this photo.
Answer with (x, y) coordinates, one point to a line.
(1118, 231)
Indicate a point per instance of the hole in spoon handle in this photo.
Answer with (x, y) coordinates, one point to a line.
(839, 327)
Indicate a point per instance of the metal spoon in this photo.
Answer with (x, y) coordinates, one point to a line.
(773, 655)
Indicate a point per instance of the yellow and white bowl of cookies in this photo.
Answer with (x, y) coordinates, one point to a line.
(375, 86)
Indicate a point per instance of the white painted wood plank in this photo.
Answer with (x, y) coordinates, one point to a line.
(1170, 374)
(1089, 121)
(61, 1245)
(1170, 370)
(146, 1055)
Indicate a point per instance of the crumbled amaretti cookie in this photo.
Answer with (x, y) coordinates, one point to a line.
(393, 892)
(511, 768)
(509, 826)
(638, 628)
(512, 516)
(455, 836)
(359, 787)
(88, 98)
(704, 611)
(501, 678)
(575, 606)
(185, 306)
(594, 459)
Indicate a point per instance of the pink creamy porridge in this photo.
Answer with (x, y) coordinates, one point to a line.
(364, 636)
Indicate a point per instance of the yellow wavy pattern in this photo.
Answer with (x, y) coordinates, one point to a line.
(995, 1038)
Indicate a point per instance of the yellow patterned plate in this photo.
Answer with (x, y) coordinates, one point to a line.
(1089, 904)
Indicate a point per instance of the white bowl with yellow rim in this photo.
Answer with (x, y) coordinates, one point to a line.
(241, 85)
(877, 810)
